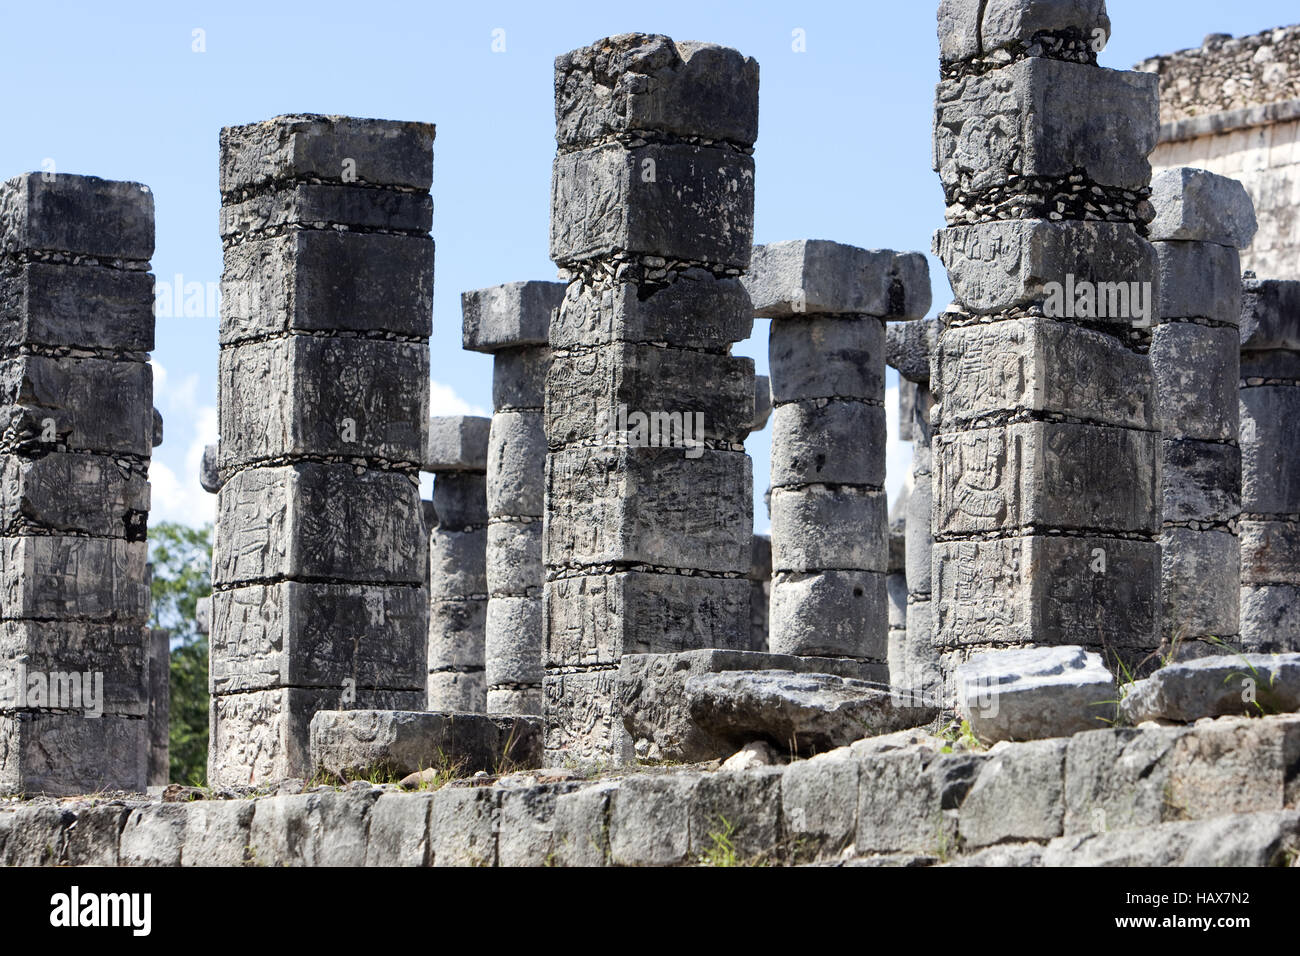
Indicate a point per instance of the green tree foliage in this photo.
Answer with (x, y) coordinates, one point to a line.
(182, 559)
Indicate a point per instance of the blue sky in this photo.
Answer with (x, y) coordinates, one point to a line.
(117, 90)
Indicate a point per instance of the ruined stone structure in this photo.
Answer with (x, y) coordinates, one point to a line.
(513, 322)
(76, 410)
(320, 563)
(458, 571)
(1270, 479)
(1046, 440)
(1201, 221)
(1232, 106)
(828, 303)
(649, 513)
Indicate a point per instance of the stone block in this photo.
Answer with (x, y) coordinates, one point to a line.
(740, 811)
(1201, 481)
(357, 743)
(399, 830)
(82, 215)
(461, 692)
(1270, 552)
(649, 820)
(1098, 272)
(829, 614)
(299, 634)
(516, 700)
(580, 825)
(1199, 280)
(762, 403)
(1047, 590)
(647, 83)
(87, 669)
(457, 564)
(62, 577)
(209, 475)
(510, 315)
(595, 619)
(337, 397)
(583, 725)
(1196, 380)
(217, 833)
(463, 826)
(822, 527)
(457, 443)
(77, 404)
(319, 280)
(1017, 796)
(604, 311)
(514, 559)
(526, 836)
(648, 506)
(154, 835)
(457, 632)
(919, 549)
(1201, 206)
(319, 521)
(59, 305)
(820, 356)
(514, 640)
(263, 736)
(519, 379)
(907, 800)
(1251, 839)
(646, 396)
(1232, 684)
(909, 346)
(1036, 365)
(832, 443)
(970, 29)
(460, 500)
(1044, 475)
(1270, 419)
(787, 279)
(1201, 573)
(94, 839)
(332, 149)
(73, 493)
(312, 829)
(1270, 314)
(35, 836)
(1035, 693)
(1034, 119)
(676, 201)
(1270, 618)
(61, 754)
(819, 805)
(294, 207)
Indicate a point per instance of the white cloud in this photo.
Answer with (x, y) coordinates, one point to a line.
(189, 424)
(898, 454)
(443, 400)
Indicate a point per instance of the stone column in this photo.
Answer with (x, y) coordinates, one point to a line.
(760, 562)
(1202, 220)
(160, 706)
(76, 429)
(512, 322)
(458, 579)
(320, 566)
(1046, 439)
(896, 590)
(827, 302)
(649, 510)
(1270, 468)
(910, 348)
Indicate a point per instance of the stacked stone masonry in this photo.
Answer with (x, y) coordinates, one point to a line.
(1201, 221)
(649, 514)
(828, 303)
(459, 574)
(1046, 441)
(320, 564)
(1270, 478)
(512, 322)
(1232, 106)
(76, 397)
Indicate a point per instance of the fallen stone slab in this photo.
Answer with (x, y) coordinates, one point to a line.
(1245, 684)
(652, 697)
(1247, 839)
(395, 743)
(800, 713)
(1035, 693)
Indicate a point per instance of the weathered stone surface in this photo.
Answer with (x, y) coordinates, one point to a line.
(1026, 264)
(647, 506)
(77, 493)
(65, 577)
(526, 835)
(1270, 617)
(319, 521)
(830, 613)
(1268, 314)
(737, 810)
(296, 634)
(94, 838)
(1047, 590)
(834, 443)
(514, 550)
(1042, 366)
(1029, 694)
(356, 743)
(82, 215)
(1034, 118)
(457, 564)
(1247, 684)
(209, 476)
(54, 304)
(787, 279)
(510, 315)
(519, 378)
(1201, 572)
(399, 830)
(459, 691)
(821, 356)
(154, 835)
(649, 820)
(602, 312)
(1047, 475)
(1202, 481)
(909, 346)
(217, 833)
(460, 500)
(513, 648)
(762, 403)
(1270, 552)
(44, 752)
(77, 404)
(1249, 839)
(312, 829)
(969, 28)
(595, 619)
(1202, 206)
(86, 668)
(516, 465)
(638, 82)
(580, 825)
(583, 725)
(1196, 380)
(312, 146)
(463, 826)
(457, 443)
(819, 804)
(1018, 795)
(829, 527)
(677, 201)
(806, 713)
(306, 396)
(657, 714)
(1270, 419)
(324, 206)
(1199, 280)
